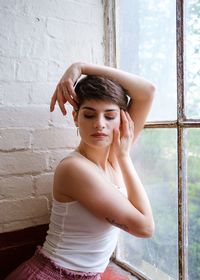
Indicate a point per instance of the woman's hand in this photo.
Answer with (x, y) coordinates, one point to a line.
(122, 138)
(65, 89)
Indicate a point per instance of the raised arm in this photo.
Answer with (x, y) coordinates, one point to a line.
(140, 91)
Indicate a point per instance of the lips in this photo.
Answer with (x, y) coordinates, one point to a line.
(99, 134)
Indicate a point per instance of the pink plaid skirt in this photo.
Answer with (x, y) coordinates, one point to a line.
(40, 267)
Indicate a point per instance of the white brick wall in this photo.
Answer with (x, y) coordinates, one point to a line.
(38, 40)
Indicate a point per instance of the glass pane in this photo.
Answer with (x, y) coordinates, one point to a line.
(192, 64)
(155, 159)
(193, 181)
(146, 45)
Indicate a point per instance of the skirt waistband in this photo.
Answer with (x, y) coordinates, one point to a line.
(44, 261)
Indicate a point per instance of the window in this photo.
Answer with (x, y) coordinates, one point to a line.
(160, 40)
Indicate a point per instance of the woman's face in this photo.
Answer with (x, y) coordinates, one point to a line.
(96, 120)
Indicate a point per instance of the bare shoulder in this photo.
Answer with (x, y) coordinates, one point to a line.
(68, 172)
(70, 175)
(73, 165)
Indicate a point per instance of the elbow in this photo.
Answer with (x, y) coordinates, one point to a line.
(146, 230)
(151, 91)
(150, 229)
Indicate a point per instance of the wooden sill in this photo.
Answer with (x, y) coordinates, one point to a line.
(114, 272)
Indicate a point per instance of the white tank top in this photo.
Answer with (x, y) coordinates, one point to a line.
(77, 239)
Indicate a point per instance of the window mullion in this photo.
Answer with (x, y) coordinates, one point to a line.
(109, 32)
(181, 153)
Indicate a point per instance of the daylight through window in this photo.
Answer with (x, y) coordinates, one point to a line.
(160, 40)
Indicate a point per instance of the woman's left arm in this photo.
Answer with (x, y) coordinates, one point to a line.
(140, 91)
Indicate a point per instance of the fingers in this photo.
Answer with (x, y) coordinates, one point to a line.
(127, 125)
(67, 90)
(116, 136)
(131, 123)
(53, 102)
(123, 137)
(57, 96)
(63, 94)
(124, 124)
(61, 101)
(70, 87)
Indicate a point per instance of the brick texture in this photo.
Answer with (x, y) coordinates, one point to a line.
(38, 42)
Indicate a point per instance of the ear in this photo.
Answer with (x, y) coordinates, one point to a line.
(75, 117)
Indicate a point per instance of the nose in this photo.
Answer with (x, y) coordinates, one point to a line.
(99, 123)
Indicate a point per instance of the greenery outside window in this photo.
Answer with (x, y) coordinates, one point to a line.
(160, 40)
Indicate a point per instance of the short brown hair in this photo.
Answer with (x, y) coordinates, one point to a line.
(101, 88)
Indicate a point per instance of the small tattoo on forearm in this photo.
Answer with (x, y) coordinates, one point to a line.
(124, 227)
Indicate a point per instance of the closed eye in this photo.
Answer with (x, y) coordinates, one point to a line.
(89, 116)
(109, 118)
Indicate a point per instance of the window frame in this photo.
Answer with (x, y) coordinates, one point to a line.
(181, 124)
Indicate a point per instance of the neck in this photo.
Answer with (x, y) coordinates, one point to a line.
(97, 155)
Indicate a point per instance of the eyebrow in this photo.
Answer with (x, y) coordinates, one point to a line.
(107, 110)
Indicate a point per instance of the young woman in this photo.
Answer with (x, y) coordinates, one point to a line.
(96, 189)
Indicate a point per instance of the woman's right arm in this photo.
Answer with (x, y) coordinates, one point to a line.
(133, 213)
(101, 198)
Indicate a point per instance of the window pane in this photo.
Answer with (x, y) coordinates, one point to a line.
(192, 46)
(155, 159)
(146, 45)
(193, 180)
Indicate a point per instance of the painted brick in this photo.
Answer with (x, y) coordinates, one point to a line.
(41, 93)
(16, 93)
(26, 208)
(20, 25)
(24, 116)
(9, 48)
(31, 70)
(41, 220)
(58, 120)
(2, 95)
(56, 28)
(14, 139)
(7, 22)
(31, 26)
(37, 45)
(55, 138)
(97, 16)
(55, 70)
(16, 187)
(43, 183)
(7, 69)
(22, 35)
(36, 48)
(17, 225)
(57, 51)
(22, 162)
(73, 10)
(72, 38)
(55, 157)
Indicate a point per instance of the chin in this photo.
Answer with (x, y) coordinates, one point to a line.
(100, 144)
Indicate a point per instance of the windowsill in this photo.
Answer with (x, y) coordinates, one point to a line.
(115, 272)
